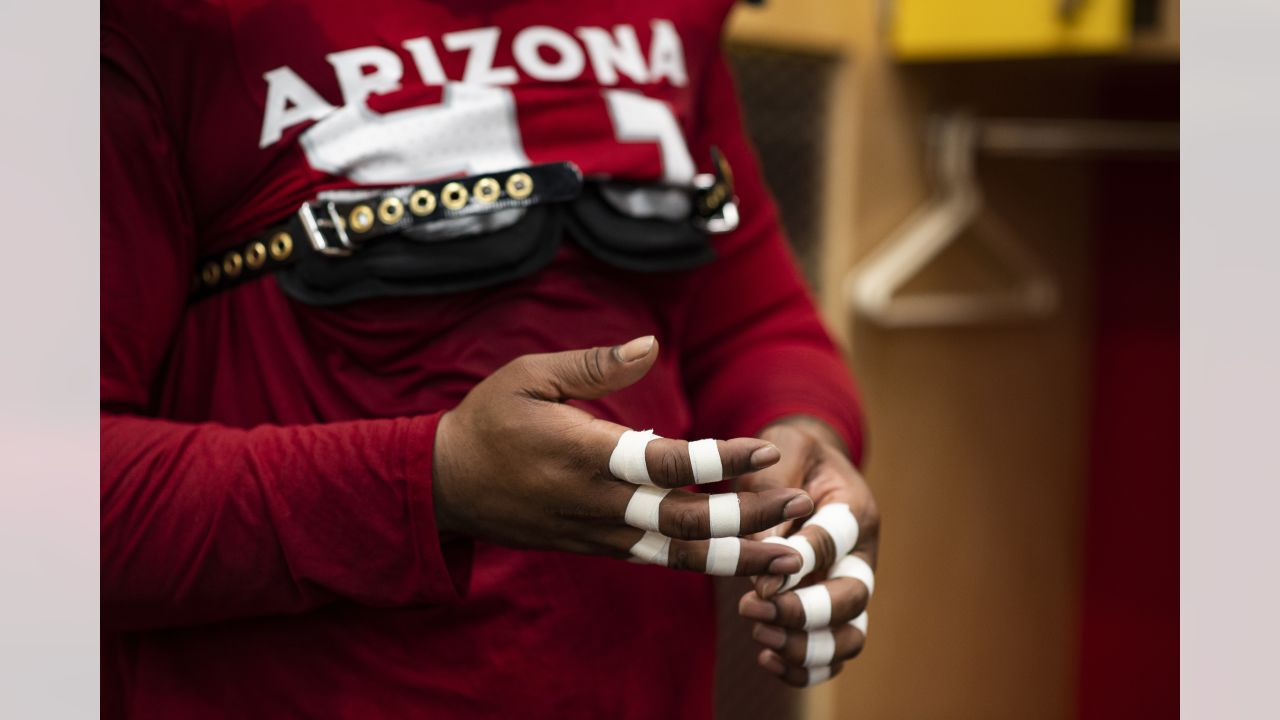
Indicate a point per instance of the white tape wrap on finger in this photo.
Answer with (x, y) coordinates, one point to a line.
(722, 556)
(816, 602)
(642, 510)
(852, 566)
(817, 675)
(809, 560)
(704, 457)
(820, 648)
(627, 461)
(726, 514)
(838, 520)
(652, 549)
(860, 622)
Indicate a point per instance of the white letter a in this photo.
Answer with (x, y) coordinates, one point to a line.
(290, 100)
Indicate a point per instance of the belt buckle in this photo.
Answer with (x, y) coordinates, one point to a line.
(312, 226)
(717, 205)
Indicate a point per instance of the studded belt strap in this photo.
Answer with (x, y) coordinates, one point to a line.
(336, 228)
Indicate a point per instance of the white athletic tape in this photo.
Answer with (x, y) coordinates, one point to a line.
(652, 549)
(627, 461)
(816, 602)
(642, 510)
(860, 622)
(726, 514)
(838, 520)
(852, 566)
(722, 556)
(817, 675)
(820, 648)
(809, 560)
(704, 456)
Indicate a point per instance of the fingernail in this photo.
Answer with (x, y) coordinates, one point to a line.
(786, 564)
(771, 585)
(770, 661)
(759, 610)
(635, 349)
(765, 456)
(770, 636)
(797, 507)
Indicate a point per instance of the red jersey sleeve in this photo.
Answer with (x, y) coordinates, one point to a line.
(754, 349)
(202, 522)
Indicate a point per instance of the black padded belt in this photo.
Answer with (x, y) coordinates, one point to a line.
(333, 229)
(469, 233)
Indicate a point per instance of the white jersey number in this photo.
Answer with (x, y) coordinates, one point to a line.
(472, 131)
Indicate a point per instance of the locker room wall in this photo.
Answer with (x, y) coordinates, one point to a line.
(989, 448)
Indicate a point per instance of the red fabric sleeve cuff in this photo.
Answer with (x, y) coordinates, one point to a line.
(445, 565)
(768, 385)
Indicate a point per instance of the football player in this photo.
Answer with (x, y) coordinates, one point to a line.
(391, 292)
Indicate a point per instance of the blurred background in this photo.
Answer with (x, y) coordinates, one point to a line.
(984, 197)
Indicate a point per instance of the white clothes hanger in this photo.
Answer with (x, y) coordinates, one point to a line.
(954, 207)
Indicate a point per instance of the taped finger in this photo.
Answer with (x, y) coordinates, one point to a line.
(653, 549)
(722, 556)
(801, 545)
(627, 462)
(797, 676)
(839, 523)
(698, 516)
(817, 675)
(704, 458)
(830, 602)
(820, 648)
(717, 556)
(676, 463)
(815, 603)
(725, 515)
(643, 510)
(852, 566)
(860, 622)
(814, 648)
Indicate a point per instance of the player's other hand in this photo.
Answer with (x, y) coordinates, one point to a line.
(800, 649)
(517, 466)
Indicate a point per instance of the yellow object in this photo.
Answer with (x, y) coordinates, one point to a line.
(422, 202)
(979, 29)
(361, 218)
(486, 190)
(281, 246)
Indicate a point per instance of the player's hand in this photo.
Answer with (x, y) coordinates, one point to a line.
(802, 649)
(517, 466)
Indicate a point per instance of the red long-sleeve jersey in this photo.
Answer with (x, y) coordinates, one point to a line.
(269, 546)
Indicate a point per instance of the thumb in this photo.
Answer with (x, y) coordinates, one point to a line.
(591, 373)
(798, 455)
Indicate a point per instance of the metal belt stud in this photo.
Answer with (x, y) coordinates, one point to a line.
(211, 274)
(519, 185)
(255, 255)
(486, 190)
(422, 202)
(390, 210)
(361, 218)
(281, 246)
(232, 263)
(453, 196)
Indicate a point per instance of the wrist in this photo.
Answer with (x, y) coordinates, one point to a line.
(443, 471)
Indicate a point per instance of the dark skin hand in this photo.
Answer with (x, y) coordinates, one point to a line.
(813, 458)
(518, 466)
